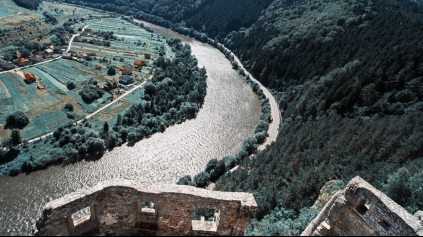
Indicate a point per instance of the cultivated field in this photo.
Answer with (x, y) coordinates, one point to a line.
(45, 107)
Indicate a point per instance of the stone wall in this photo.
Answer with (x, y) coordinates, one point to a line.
(360, 209)
(116, 206)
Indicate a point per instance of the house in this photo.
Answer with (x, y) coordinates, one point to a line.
(121, 68)
(67, 55)
(147, 56)
(42, 52)
(112, 84)
(77, 39)
(139, 64)
(74, 53)
(18, 55)
(89, 30)
(22, 62)
(85, 33)
(51, 47)
(39, 86)
(49, 52)
(127, 71)
(30, 78)
(7, 65)
(125, 79)
(36, 58)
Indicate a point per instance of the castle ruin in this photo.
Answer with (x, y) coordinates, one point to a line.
(117, 206)
(360, 209)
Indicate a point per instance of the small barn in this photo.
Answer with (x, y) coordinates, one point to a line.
(30, 78)
(112, 84)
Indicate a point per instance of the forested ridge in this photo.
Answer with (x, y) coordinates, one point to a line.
(30, 4)
(348, 78)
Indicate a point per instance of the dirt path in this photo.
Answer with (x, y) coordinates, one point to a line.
(97, 111)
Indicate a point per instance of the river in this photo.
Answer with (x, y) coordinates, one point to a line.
(229, 115)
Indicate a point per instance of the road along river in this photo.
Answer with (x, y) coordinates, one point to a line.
(229, 115)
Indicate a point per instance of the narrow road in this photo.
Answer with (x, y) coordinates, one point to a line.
(97, 111)
(69, 46)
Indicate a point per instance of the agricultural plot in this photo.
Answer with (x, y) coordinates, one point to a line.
(45, 107)
(133, 42)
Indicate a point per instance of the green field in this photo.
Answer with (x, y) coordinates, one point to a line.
(45, 108)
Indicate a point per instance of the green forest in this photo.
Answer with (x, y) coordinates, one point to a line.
(348, 78)
(30, 4)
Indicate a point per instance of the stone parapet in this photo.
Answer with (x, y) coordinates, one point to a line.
(115, 205)
(360, 209)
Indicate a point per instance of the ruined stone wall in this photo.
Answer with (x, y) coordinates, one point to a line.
(116, 206)
(360, 209)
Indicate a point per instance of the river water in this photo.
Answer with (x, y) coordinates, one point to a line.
(229, 115)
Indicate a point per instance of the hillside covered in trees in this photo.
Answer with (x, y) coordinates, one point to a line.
(348, 78)
(30, 4)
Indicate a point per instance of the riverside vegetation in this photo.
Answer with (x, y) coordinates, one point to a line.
(175, 93)
(348, 84)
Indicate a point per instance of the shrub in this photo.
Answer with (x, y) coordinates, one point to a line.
(91, 93)
(186, 180)
(111, 71)
(201, 180)
(16, 137)
(17, 120)
(69, 106)
(71, 85)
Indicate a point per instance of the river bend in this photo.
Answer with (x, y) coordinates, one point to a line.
(229, 115)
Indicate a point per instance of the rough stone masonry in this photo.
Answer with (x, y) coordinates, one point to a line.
(116, 206)
(360, 209)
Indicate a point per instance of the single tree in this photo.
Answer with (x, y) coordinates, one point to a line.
(16, 137)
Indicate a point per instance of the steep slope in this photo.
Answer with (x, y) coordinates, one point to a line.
(348, 76)
(30, 4)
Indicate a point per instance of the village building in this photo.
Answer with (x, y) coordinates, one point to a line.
(125, 79)
(7, 65)
(39, 86)
(89, 30)
(121, 68)
(127, 71)
(139, 64)
(92, 54)
(147, 56)
(36, 58)
(49, 52)
(67, 55)
(73, 53)
(65, 36)
(18, 55)
(30, 78)
(85, 33)
(111, 84)
(51, 47)
(42, 53)
(22, 62)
